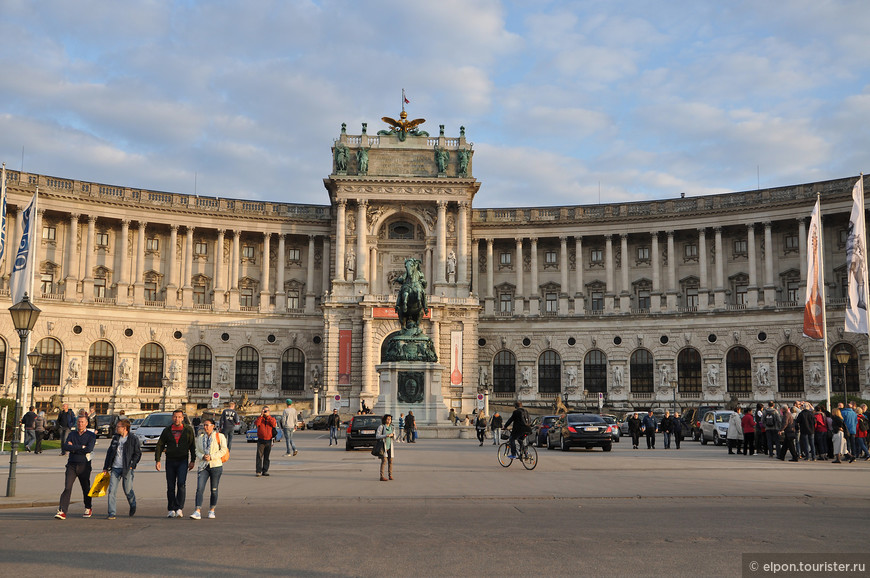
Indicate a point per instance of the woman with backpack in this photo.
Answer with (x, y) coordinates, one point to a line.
(480, 426)
(211, 447)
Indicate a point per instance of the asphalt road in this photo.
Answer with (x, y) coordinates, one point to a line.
(451, 511)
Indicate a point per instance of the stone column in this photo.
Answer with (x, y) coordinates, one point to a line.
(309, 277)
(462, 247)
(625, 294)
(520, 294)
(802, 245)
(121, 297)
(579, 287)
(172, 268)
(489, 303)
(475, 266)
(441, 264)
(563, 278)
(340, 228)
(234, 272)
(672, 274)
(362, 243)
(71, 280)
(534, 290)
(139, 284)
(325, 262)
(88, 281)
(610, 290)
(367, 364)
(704, 287)
(280, 275)
(656, 300)
(219, 274)
(374, 282)
(719, 295)
(265, 282)
(769, 287)
(186, 287)
(752, 290)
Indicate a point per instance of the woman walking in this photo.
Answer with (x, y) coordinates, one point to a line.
(748, 424)
(480, 426)
(820, 425)
(385, 432)
(838, 429)
(211, 446)
(39, 428)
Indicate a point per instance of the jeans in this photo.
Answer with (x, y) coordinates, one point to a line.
(229, 435)
(861, 448)
(788, 446)
(399, 437)
(288, 438)
(650, 439)
(667, 436)
(850, 444)
(333, 435)
(116, 475)
(176, 484)
(807, 446)
(30, 439)
(264, 450)
(821, 439)
(513, 445)
(82, 472)
(496, 435)
(772, 443)
(208, 474)
(749, 443)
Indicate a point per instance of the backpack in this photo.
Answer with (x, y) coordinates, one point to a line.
(862, 423)
(769, 419)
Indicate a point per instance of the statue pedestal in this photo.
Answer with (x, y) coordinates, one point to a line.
(429, 409)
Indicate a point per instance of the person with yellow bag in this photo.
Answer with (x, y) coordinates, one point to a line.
(211, 453)
(79, 445)
(122, 458)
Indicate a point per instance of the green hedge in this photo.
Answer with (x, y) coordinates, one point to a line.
(10, 418)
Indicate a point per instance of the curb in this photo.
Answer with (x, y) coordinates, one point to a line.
(14, 505)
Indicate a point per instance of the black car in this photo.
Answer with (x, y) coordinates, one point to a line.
(539, 429)
(585, 430)
(692, 420)
(52, 431)
(318, 422)
(361, 431)
(103, 425)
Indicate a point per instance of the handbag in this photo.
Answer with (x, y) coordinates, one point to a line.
(100, 485)
(379, 450)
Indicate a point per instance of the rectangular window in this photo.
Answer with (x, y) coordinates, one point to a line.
(505, 302)
(49, 233)
(550, 258)
(247, 252)
(791, 242)
(596, 256)
(643, 253)
(46, 283)
(692, 297)
(152, 244)
(294, 254)
(99, 288)
(246, 297)
(741, 295)
(793, 290)
(200, 248)
(102, 240)
(149, 406)
(293, 300)
(643, 299)
(505, 258)
(150, 291)
(691, 251)
(552, 302)
(741, 247)
(597, 303)
(199, 296)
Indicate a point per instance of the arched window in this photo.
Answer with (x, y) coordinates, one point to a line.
(101, 364)
(595, 372)
(151, 365)
(48, 372)
(738, 367)
(852, 380)
(199, 367)
(641, 366)
(2, 361)
(790, 369)
(504, 372)
(550, 372)
(689, 371)
(293, 370)
(247, 368)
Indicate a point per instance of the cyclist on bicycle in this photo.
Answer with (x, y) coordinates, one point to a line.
(521, 428)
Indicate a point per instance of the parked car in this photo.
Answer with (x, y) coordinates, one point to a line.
(540, 426)
(135, 423)
(103, 425)
(318, 422)
(251, 435)
(150, 429)
(584, 430)
(614, 426)
(714, 426)
(52, 432)
(692, 420)
(361, 431)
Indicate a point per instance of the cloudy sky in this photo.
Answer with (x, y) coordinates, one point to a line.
(634, 99)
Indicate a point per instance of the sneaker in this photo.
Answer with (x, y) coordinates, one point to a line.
(259, 474)
(288, 455)
(132, 511)
(211, 514)
(87, 513)
(196, 515)
(110, 517)
(60, 516)
(295, 452)
(179, 513)
(171, 514)
(511, 456)
(265, 473)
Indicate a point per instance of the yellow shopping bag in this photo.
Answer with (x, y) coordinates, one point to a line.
(101, 484)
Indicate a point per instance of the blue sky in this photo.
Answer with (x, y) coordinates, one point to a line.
(644, 99)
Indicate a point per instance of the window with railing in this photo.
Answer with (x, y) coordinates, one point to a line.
(505, 302)
(551, 302)
(596, 301)
(293, 300)
(46, 283)
(246, 297)
(151, 292)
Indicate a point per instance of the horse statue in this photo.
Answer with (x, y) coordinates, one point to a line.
(411, 302)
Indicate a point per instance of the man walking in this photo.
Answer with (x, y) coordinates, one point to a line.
(789, 435)
(772, 421)
(677, 429)
(266, 426)
(79, 444)
(66, 421)
(401, 424)
(850, 418)
(495, 424)
(667, 427)
(806, 423)
(649, 428)
(334, 423)
(288, 424)
(29, 421)
(228, 422)
(634, 427)
(122, 458)
(178, 440)
(411, 428)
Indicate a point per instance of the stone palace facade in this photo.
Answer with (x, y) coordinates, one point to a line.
(151, 300)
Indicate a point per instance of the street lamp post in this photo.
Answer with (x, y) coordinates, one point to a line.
(843, 359)
(24, 316)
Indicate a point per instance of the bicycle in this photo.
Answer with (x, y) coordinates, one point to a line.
(528, 455)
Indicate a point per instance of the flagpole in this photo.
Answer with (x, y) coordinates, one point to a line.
(824, 304)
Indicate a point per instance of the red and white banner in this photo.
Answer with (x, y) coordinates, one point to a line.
(345, 337)
(455, 358)
(856, 264)
(814, 309)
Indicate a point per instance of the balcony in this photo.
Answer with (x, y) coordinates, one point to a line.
(100, 389)
(150, 390)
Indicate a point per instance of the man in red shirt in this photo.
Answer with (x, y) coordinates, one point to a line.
(266, 425)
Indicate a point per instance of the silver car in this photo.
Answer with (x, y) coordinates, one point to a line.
(714, 426)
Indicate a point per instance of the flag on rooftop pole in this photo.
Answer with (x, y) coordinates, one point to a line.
(814, 309)
(3, 213)
(21, 280)
(856, 264)
(405, 98)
